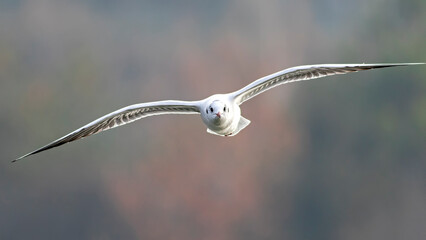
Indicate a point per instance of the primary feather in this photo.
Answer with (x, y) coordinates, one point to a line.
(300, 73)
(120, 117)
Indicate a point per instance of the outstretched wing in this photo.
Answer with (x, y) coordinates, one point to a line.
(299, 73)
(123, 116)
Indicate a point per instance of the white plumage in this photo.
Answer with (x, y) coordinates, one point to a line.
(220, 112)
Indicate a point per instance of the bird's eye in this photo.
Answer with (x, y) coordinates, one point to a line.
(207, 110)
(224, 109)
(211, 109)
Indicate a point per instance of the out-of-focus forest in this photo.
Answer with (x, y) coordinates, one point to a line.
(336, 158)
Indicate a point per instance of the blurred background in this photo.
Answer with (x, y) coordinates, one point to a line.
(336, 158)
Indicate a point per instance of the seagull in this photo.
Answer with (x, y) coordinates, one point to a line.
(221, 113)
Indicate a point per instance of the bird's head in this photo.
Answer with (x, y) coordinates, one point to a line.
(218, 111)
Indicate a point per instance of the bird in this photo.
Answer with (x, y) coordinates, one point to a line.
(221, 113)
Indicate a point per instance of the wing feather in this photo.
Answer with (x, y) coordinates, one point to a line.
(300, 73)
(123, 116)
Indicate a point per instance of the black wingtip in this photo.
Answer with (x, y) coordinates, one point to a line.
(15, 160)
(19, 158)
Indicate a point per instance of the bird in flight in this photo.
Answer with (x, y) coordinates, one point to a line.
(220, 112)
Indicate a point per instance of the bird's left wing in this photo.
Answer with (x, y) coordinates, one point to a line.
(299, 73)
(123, 116)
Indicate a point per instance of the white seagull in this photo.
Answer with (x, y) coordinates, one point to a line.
(220, 112)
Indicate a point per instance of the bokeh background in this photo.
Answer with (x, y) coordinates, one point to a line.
(336, 158)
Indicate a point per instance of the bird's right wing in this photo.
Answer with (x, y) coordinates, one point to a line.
(123, 116)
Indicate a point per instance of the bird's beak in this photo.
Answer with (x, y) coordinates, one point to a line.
(218, 114)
